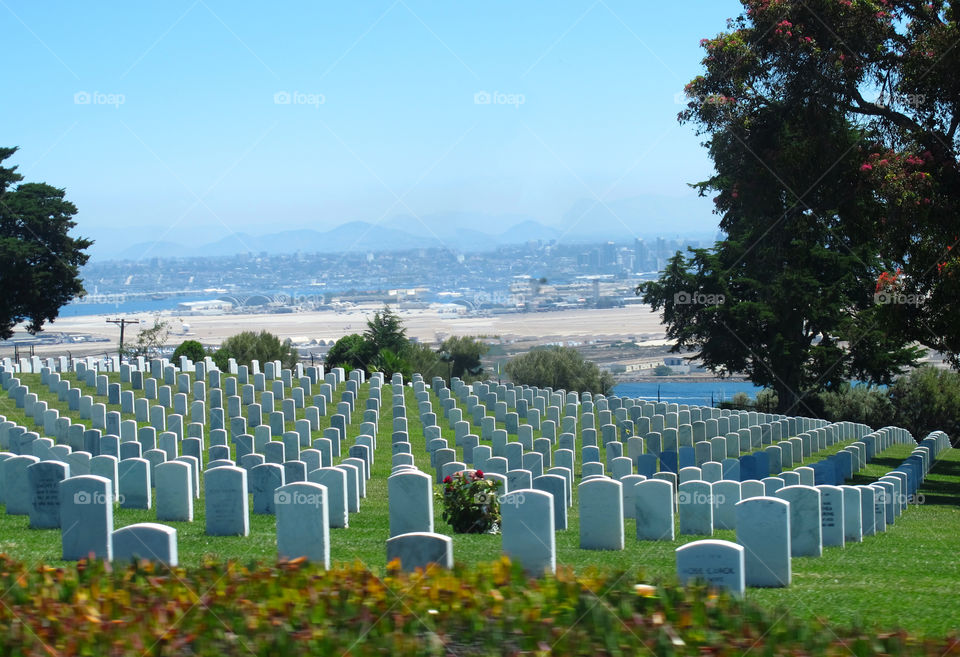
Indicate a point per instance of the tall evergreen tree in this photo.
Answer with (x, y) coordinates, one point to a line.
(41, 261)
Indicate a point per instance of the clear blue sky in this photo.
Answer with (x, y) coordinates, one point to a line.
(181, 124)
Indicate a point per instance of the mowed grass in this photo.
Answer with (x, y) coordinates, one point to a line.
(908, 577)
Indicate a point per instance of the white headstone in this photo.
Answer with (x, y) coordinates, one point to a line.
(303, 524)
(410, 501)
(695, 508)
(86, 517)
(763, 529)
(225, 501)
(420, 550)
(174, 486)
(146, 540)
(335, 481)
(805, 533)
(832, 520)
(601, 515)
(528, 530)
(653, 501)
(719, 563)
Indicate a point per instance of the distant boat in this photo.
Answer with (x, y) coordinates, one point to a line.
(158, 296)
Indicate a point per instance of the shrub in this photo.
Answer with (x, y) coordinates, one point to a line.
(767, 401)
(863, 404)
(221, 357)
(463, 354)
(559, 368)
(191, 349)
(662, 370)
(263, 346)
(351, 352)
(470, 503)
(297, 609)
(927, 399)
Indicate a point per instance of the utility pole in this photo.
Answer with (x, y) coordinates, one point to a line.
(123, 324)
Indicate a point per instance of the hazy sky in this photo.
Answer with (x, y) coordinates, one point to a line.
(209, 116)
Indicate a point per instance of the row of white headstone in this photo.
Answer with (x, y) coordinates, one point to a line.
(558, 487)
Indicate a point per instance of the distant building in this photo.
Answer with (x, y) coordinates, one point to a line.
(209, 305)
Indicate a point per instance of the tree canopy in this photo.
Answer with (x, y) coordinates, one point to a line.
(192, 349)
(832, 129)
(150, 340)
(384, 347)
(385, 331)
(41, 261)
(463, 353)
(248, 346)
(351, 352)
(559, 368)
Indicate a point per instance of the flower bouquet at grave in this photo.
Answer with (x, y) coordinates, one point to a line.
(470, 503)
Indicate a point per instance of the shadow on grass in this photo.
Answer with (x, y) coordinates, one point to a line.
(942, 486)
(945, 489)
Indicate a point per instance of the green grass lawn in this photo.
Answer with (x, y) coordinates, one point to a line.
(908, 577)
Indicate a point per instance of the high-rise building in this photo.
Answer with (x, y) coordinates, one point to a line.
(641, 255)
(608, 255)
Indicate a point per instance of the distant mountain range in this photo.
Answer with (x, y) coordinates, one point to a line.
(357, 236)
(587, 221)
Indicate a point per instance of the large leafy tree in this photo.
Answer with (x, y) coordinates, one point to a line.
(41, 261)
(788, 296)
(823, 195)
(888, 68)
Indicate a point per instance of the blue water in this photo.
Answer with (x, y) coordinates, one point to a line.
(105, 304)
(121, 305)
(679, 392)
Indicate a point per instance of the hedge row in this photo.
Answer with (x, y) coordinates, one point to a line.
(295, 609)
